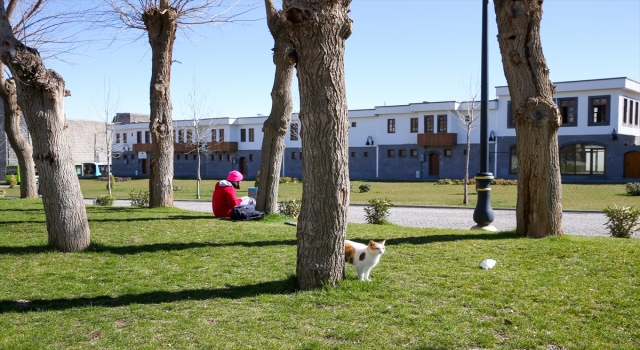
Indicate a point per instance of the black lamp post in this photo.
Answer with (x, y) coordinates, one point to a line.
(483, 214)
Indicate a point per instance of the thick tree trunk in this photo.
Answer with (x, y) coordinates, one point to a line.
(161, 24)
(41, 95)
(19, 144)
(318, 32)
(536, 117)
(275, 127)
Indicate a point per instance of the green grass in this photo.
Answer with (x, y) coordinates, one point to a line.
(160, 278)
(574, 196)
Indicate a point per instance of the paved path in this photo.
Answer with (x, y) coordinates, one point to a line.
(587, 223)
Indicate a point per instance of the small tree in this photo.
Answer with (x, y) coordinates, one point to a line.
(467, 115)
(108, 107)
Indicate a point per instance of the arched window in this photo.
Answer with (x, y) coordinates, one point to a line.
(582, 159)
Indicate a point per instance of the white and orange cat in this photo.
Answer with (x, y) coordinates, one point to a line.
(364, 257)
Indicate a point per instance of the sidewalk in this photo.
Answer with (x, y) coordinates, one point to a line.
(586, 223)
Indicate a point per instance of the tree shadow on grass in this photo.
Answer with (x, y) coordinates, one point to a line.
(454, 237)
(146, 248)
(286, 286)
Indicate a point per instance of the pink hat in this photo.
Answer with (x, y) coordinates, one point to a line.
(235, 176)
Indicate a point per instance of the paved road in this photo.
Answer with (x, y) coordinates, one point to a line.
(587, 223)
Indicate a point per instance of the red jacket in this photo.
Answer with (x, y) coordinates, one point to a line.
(224, 199)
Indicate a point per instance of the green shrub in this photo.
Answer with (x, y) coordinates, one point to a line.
(104, 200)
(12, 181)
(290, 207)
(255, 184)
(364, 188)
(139, 199)
(622, 221)
(3, 192)
(443, 182)
(378, 210)
(112, 182)
(633, 188)
(287, 180)
(178, 188)
(504, 182)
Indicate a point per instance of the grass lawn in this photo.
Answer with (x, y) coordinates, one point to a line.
(574, 196)
(161, 278)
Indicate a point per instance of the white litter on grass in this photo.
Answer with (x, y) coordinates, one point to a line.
(488, 264)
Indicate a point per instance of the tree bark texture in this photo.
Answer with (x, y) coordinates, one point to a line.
(536, 118)
(161, 24)
(19, 144)
(318, 32)
(275, 127)
(41, 95)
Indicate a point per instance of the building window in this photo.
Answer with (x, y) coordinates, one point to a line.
(582, 159)
(569, 111)
(177, 156)
(251, 157)
(220, 157)
(243, 135)
(180, 136)
(366, 154)
(624, 111)
(133, 156)
(630, 112)
(213, 157)
(428, 124)
(124, 137)
(353, 124)
(117, 138)
(294, 155)
(391, 126)
(414, 153)
(174, 135)
(636, 122)
(599, 110)
(510, 123)
(221, 135)
(139, 136)
(301, 155)
(147, 137)
(447, 153)
(353, 154)
(442, 123)
(251, 135)
(513, 160)
(193, 157)
(189, 136)
(294, 132)
(414, 125)
(391, 153)
(402, 153)
(213, 134)
(228, 157)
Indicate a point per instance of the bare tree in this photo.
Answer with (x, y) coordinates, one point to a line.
(161, 19)
(318, 30)
(41, 98)
(275, 127)
(199, 112)
(467, 115)
(535, 115)
(106, 110)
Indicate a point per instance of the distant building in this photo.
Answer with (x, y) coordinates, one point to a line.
(599, 139)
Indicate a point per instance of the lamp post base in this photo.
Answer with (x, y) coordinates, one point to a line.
(488, 228)
(483, 214)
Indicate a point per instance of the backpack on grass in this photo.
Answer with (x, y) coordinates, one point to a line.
(243, 213)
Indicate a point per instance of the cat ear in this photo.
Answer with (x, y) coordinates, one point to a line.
(382, 242)
(371, 243)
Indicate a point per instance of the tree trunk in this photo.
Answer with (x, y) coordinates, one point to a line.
(198, 178)
(18, 143)
(318, 32)
(465, 200)
(275, 127)
(41, 95)
(536, 117)
(161, 24)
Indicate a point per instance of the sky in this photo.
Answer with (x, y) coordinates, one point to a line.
(400, 52)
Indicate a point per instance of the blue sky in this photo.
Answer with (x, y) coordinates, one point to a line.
(400, 52)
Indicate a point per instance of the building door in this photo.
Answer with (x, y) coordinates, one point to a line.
(243, 166)
(434, 164)
(145, 166)
(632, 164)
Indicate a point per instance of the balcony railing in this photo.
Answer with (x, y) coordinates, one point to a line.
(439, 139)
(222, 146)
